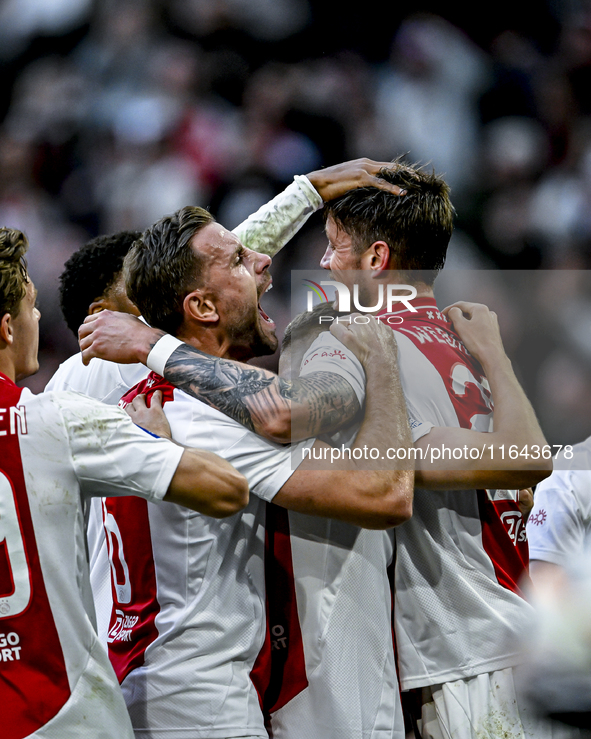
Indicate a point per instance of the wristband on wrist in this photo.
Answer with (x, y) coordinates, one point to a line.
(160, 353)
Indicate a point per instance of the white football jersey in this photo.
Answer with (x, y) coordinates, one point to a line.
(267, 231)
(460, 558)
(107, 382)
(188, 617)
(559, 525)
(57, 449)
(344, 607)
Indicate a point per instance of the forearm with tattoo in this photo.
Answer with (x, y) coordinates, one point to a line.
(279, 409)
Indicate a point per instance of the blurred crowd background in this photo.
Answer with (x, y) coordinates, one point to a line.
(114, 113)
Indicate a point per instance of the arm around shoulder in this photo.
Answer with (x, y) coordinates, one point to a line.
(484, 460)
(515, 454)
(362, 485)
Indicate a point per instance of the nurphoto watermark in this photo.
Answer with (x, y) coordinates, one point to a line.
(455, 367)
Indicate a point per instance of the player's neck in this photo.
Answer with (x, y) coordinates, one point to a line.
(423, 290)
(215, 343)
(7, 366)
(396, 277)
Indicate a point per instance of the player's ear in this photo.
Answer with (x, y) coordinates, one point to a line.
(6, 329)
(97, 306)
(377, 257)
(199, 306)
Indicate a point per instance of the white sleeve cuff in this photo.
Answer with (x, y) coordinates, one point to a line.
(310, 191)
(161, 352)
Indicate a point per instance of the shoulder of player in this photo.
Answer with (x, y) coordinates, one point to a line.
(97, 379)
(78, 403)
(565, 484)
(580, 488)
(68, 370)
(410, 357)
(62, 414)
(324, 346)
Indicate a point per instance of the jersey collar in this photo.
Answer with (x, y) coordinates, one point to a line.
(7, 379)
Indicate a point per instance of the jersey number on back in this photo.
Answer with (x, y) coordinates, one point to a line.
(119, 569)
(15, 578)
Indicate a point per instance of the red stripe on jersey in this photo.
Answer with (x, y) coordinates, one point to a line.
(465, 383)
(147, 387)
(504, 540)
(132, 627)
(7, 586)
(461, 373)
(34, 684)
(279, 672)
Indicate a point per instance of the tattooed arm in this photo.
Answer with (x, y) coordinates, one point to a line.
(279, 409)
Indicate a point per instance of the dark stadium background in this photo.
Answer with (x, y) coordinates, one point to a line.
(114, 113)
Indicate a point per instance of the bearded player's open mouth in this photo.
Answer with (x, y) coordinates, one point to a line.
(263, 315)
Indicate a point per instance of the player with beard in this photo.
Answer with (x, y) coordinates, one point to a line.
(191, 277)
(459, 611)
(514, 423)
(92, 281)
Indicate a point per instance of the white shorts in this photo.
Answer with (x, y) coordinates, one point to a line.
(483, 707)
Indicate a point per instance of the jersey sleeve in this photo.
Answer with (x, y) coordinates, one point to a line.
(112, 456)
(275, 223)
(555, 527)
(267, 466)
(105, 381)
(328, 354)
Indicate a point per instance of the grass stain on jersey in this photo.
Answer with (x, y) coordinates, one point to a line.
(498, 724)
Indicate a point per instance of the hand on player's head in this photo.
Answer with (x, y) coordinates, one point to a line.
(113, 336)
(332, 182)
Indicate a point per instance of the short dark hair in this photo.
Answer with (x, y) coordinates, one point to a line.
(90, 272)
(417, 226)
(303, 322)
(13, 270)
(161, 268)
